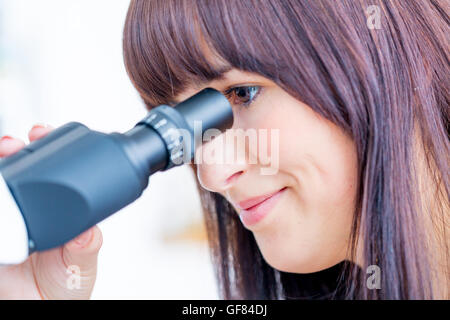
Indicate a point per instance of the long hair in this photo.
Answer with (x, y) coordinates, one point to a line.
(387, 87)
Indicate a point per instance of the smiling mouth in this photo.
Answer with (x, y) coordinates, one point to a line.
(253, 202)
(255, 209)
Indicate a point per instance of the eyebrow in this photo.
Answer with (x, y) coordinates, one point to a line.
(219, 75)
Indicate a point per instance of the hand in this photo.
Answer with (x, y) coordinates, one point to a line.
(46, 275)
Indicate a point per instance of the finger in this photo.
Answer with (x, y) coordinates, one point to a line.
(10, 145)
(69, 272)
(38, 131)
(81, 253)
(83, 250)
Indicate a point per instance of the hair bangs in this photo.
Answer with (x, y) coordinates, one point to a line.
(170, 45)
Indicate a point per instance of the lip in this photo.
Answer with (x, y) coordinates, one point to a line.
(255, 209)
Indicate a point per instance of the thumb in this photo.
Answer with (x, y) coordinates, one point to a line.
(80, 257)
(69, 272)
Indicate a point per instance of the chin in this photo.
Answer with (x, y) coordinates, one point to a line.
(299, 263)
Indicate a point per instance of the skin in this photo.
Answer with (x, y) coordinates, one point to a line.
(309, 227)
(44, 275)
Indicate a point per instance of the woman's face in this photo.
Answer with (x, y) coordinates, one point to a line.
(300, 207)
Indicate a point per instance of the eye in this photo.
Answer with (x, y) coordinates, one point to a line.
(242, 96)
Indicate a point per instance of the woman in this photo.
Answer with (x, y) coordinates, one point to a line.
(358, 206)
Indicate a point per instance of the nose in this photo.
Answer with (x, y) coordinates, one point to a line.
(222, 162)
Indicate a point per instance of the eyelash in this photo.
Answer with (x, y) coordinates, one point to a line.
(228, 93)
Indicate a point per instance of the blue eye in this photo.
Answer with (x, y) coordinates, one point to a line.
(242, 96)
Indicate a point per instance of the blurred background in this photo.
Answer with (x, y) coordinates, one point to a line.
(61, 61)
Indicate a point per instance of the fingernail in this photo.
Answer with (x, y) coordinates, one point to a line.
(84, 238)
(5, 141)
(38, 126)
(6, 138)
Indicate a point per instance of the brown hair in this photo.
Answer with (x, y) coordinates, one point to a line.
(387, 88)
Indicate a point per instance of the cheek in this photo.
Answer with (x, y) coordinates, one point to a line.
(319, 155)
(329, 168)
(319, 162)
(313, 155)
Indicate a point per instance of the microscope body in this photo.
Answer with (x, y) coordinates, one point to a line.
(63, 184)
